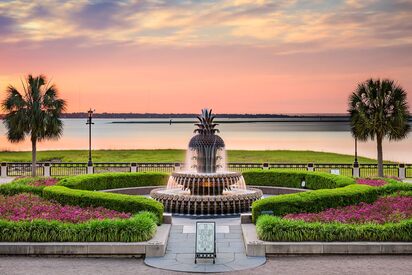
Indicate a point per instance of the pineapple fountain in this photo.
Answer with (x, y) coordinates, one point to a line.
(205, 187)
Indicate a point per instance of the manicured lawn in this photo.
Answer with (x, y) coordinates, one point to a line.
(282, 156)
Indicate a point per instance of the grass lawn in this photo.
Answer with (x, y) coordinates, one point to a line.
(282, 156)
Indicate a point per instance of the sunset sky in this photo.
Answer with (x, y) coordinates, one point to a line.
(176, 56)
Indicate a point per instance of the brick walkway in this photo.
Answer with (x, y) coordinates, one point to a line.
(229, 244)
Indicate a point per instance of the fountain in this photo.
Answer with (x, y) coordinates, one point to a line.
(204, 186)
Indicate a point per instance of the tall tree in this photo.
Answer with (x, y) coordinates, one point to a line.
(34, 112)
(379, 109)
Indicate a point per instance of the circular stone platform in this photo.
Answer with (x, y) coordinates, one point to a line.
(229, 244)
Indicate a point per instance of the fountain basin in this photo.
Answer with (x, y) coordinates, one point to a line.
(235, 202)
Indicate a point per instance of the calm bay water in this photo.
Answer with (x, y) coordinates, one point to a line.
(316, 136)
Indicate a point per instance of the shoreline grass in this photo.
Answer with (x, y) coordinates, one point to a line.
(176, 155)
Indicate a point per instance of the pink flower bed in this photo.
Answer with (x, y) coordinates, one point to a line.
(371, 182)
(27, 207)
(383, 210)
(44, 182)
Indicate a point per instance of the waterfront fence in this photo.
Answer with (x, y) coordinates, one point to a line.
(18, 169)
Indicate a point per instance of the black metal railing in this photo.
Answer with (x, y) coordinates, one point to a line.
(68, 169)
(156, 167)
(371, 170)
(333, 168)
(105, 167)
(15, 169)
(408, 170)
(243, 166)
(289, 166)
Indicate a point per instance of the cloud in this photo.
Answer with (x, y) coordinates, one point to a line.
(7, 25)
(183, 23)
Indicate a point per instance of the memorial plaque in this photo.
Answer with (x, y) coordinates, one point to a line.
(335, 171)
(205, 240)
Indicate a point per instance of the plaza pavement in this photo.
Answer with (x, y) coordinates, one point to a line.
(307, 265)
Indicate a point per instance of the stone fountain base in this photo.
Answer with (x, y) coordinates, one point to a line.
(233, 202)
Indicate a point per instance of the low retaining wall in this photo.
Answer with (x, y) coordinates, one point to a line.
(267, 190)
(132, 190)
(156, 247)
(274, 190)
(256, 247)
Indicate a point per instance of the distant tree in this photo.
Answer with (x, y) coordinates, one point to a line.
(35, 112)
(378, 109)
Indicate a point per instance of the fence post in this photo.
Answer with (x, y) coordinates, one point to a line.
(401, 171)
(265, 166)
(90, 169)
(3, 170)
(177, 166)
(356, 170)
(310, 167)
(46, 170)
(133, 167)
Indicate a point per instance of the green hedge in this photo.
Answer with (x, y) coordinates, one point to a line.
(314, 201)
(272, 228)
(140, 227)
(293, 179)
(119, 202)
(115, 180)
(21, 186)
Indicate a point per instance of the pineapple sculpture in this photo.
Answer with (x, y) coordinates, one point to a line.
(206, 144)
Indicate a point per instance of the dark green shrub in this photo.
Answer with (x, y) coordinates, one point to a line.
(21, 186)
(115, 180)
(119, 202)
(319, 180)
(293, 179)
(272, 228)
(315, 201)
(140, 227)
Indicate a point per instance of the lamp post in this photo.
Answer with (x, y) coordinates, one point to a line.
(89, 122)
(356, 163)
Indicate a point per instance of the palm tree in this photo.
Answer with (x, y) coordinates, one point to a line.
(35, 112)
(378, 109)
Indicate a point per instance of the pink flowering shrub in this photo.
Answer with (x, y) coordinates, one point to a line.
(27, 207)
(383, 210)
(372, 182)
(43, 182)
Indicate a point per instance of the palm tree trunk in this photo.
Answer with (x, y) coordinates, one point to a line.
(380, 155)
(33, 156)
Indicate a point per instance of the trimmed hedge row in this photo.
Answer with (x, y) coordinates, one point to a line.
(293, 179)
(115, 180)
(119, 202)
(140, 227)
(314, 201)
(270, 228)
(319, 200)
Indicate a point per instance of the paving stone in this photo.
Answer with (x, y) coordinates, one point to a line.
(233, 236)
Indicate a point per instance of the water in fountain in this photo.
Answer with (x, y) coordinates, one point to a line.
(205, 186)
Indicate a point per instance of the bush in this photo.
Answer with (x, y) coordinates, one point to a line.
(315, 201)
(140, 227)
(21, 186)
(272, 228)
(293, 179)
(119, 202)
(114, 180)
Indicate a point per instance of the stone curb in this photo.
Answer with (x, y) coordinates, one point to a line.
(155, 247)
(256, 247)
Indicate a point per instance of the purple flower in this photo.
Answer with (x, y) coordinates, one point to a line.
(383, 210)
(29, 207)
